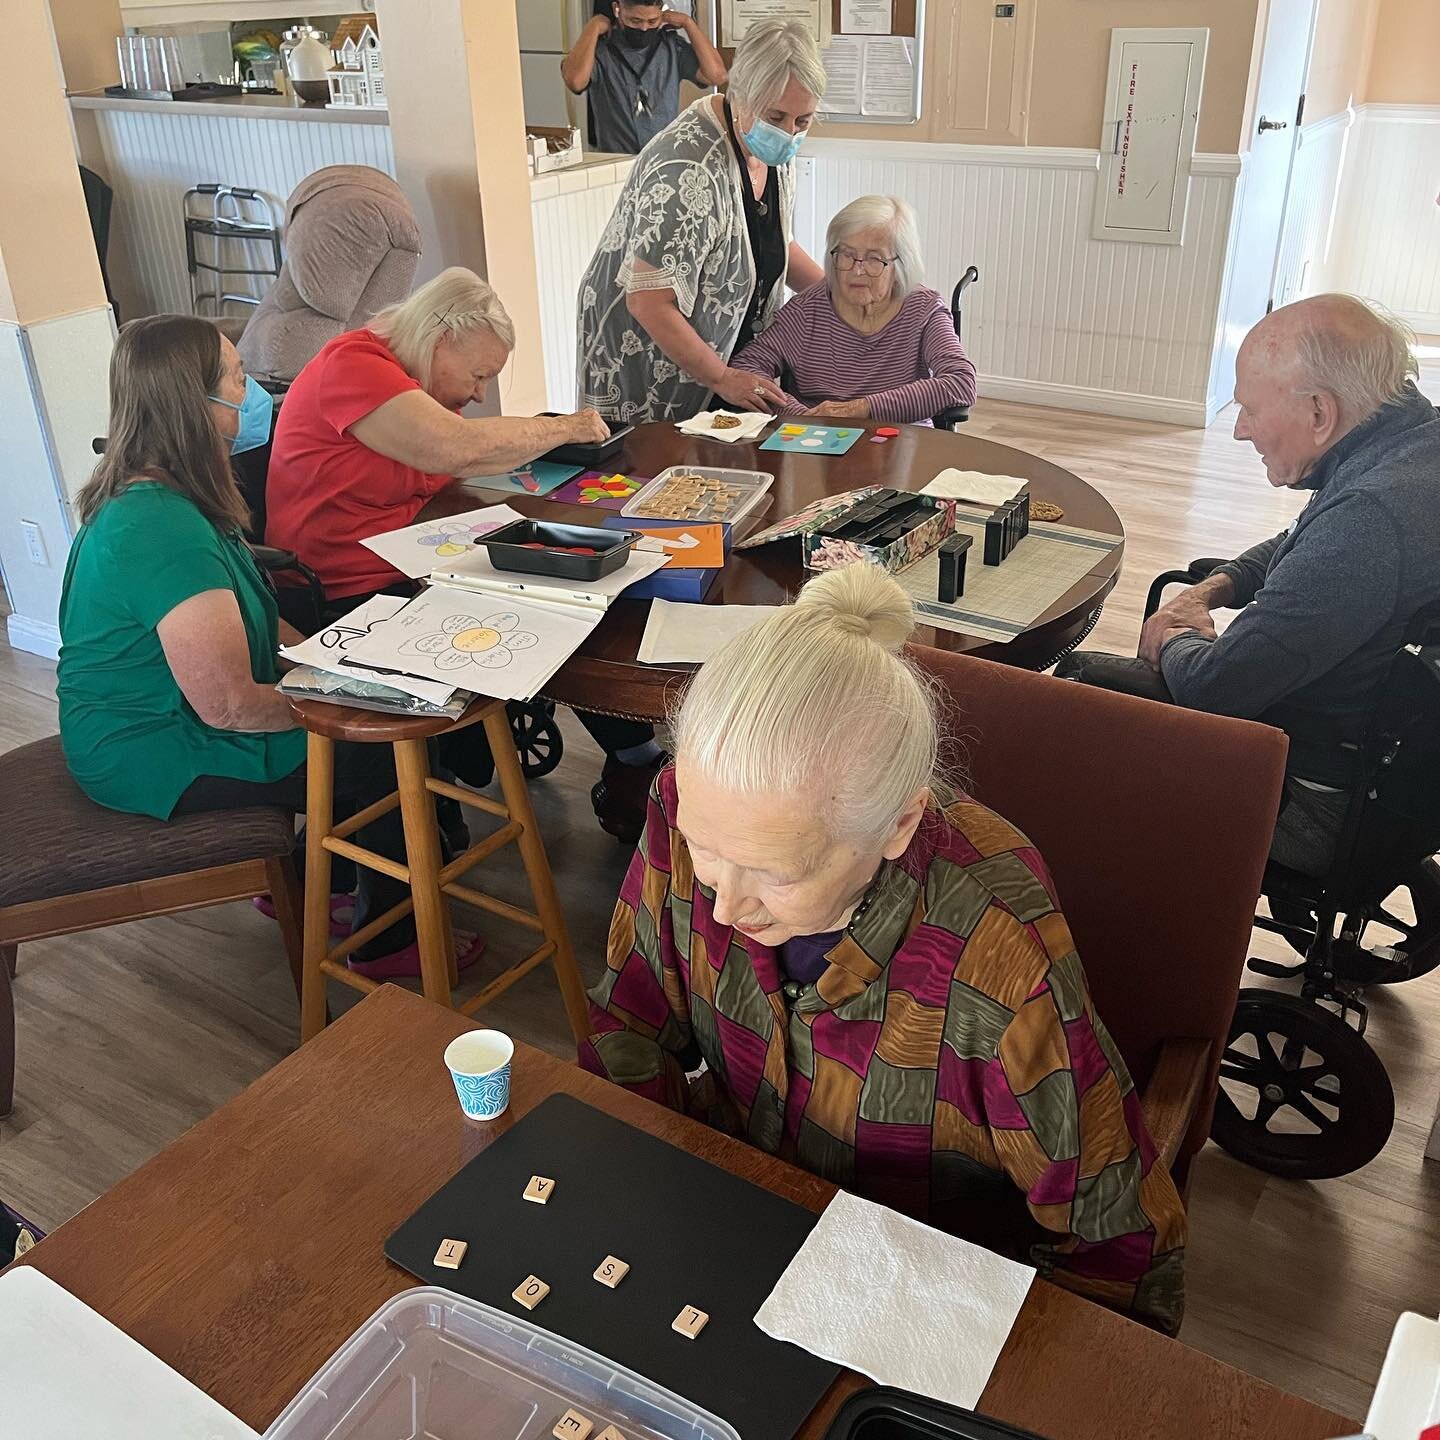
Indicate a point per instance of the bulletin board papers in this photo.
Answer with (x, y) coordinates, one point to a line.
(329, 650)
(863, 1275)
(415, 550)
(506, 647)
(871, 75)
(685, 634)
(1003, 601)
(740, 15)
(867, 17)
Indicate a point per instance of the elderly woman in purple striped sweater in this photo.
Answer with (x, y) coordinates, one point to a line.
(871, 343)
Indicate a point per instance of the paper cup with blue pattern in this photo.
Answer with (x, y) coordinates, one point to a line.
(479, 1064)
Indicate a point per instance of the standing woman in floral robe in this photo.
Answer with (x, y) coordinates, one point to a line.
(694, 262)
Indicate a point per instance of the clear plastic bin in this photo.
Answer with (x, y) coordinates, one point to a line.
(660, 500)
(432, 1365)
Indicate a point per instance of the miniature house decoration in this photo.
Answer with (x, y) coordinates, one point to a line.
(358, 80)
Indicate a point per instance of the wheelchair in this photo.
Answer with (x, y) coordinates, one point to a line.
(300, 597)
(1302, 1095)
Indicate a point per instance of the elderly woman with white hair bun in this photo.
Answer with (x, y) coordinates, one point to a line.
(697, 254)
(872, 343)
(874, 970)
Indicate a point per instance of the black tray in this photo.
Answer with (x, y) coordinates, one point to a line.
(509, 549)
(591, 456)
(886, 1414)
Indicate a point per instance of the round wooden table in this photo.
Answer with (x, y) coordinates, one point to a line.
(604, 675)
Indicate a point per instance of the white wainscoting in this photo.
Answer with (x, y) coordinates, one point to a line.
(152, 158)
(1387, 227)
(1058, 318)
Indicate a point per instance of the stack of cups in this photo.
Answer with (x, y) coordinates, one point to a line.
(149, 62)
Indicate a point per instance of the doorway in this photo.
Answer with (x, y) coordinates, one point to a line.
(1265, 183)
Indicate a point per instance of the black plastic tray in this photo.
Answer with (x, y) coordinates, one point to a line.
(886, 1414)
(509, 549)
(591, 456)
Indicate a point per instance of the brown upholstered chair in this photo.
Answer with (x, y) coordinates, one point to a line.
(71, 865)
(1155, 823)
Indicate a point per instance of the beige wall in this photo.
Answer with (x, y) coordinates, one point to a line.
(1344, 34)
(1405, 64)
(1072, 53)
(47, 255)
(85, 31)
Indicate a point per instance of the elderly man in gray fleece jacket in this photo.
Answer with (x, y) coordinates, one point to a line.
(1326, 398)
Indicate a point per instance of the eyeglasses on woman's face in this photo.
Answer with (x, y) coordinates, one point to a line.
(869, 264)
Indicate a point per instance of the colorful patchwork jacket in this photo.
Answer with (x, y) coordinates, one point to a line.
(948, 1063)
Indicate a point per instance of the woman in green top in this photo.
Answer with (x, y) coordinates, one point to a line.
(168, 629)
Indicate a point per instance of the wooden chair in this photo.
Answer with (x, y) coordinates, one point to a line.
(430, 882)
(1155, 823)
(73, 865)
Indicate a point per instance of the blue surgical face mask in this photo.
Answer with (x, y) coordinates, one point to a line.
(255, 410)
(770, 144)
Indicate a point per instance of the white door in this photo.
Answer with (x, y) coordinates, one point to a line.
(1256, 238)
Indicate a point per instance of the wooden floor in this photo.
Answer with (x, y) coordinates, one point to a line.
(129, 1036)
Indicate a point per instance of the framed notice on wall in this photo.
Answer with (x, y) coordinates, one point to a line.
(1147, 139)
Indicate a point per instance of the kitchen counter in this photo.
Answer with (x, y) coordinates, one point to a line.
(262, 107)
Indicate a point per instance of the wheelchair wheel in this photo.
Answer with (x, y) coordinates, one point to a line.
(1417, 947)
(537, 739)
(1301, 1093)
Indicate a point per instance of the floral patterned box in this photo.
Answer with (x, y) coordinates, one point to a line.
(929, 522)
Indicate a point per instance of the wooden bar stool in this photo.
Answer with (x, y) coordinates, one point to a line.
(429, 881)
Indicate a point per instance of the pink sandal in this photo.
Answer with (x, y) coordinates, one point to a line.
(342, 910)
(405, 964)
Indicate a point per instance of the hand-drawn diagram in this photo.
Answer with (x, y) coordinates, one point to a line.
(448, 538)
(462, 640)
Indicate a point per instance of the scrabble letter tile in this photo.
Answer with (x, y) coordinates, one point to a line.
(690, 1322)
(612, 1272)
(572, 1425)
(531, 1291)
(450, 1254)
(539, 1189)
(610, 1433)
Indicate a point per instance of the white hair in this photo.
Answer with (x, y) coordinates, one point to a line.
(897, 219)
(771, 54)
(818, 703)
(456, 302)
(1357, 352)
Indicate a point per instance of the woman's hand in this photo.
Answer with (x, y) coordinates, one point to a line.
(747, 391)
(587, 428)
(841, 410)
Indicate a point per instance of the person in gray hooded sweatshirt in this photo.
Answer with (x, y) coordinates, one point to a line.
(1327, 398)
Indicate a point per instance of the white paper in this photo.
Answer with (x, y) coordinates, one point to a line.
(865, 17)
(975, 486)
(477, 572)
(752, 422)
(417, 549)
(860, 1285)
(66, 1372)
(740, 15)
(889, 83)
(686, 634)
(329, 648)
(844, 60)
(506, 647)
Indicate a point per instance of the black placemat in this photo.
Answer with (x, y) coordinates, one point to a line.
(693, 1234)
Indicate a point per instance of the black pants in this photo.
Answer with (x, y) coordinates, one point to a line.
(363, 774)
(466, 753)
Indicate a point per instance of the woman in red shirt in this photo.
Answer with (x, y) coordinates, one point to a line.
(371, 429)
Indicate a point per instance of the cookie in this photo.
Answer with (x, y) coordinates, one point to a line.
(724, 422)
(1045, 510)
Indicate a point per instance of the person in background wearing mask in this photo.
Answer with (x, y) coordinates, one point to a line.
(630, 60)
(695, 259)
